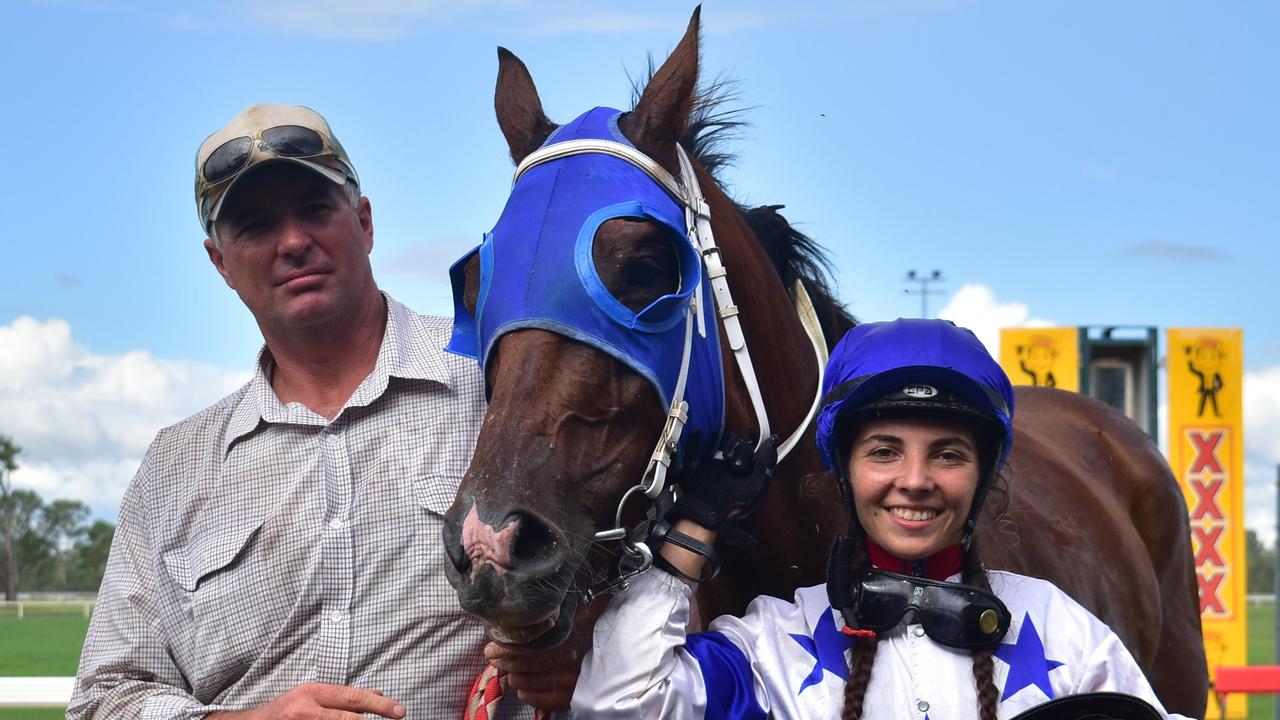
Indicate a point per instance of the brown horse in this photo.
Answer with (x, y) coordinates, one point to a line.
(1091, 504)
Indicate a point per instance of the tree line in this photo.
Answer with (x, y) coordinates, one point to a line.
(46, 546)
(1261, 562)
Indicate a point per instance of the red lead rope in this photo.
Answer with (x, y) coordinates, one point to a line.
(486, 696)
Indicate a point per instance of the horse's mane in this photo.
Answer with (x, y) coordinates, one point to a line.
(715, 122)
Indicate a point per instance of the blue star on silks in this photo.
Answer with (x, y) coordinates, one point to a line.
(827, 646)
(1027, 662)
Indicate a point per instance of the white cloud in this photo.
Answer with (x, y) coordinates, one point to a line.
(1179, 252)
(84, 420)
(602, 23)
(1262, 450)
(365, 20)
(392, 20)
(430, 261)
(976, 307)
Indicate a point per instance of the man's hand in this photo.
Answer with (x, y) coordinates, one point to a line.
(545, 679)
(314, 701)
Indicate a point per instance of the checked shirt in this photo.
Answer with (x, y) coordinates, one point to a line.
(261, 546)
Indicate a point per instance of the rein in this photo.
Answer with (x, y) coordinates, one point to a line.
(637, 555)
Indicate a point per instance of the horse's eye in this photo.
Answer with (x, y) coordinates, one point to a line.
(643, 273)
(637, 261)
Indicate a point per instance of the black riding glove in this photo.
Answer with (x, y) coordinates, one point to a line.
(718, 491)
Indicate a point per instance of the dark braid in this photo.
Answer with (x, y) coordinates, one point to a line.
(863, 655)
(983, 666)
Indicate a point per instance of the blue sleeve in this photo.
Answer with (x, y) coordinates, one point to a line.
(727, 675)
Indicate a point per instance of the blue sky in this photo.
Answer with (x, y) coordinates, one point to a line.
(1071, 162)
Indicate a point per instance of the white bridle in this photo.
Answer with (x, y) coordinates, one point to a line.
(687, 192)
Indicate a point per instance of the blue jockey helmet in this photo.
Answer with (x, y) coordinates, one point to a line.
(915, 368)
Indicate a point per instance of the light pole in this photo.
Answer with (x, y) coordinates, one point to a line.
(924, 291)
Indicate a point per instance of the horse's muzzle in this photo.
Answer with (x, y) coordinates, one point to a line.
(512, 571)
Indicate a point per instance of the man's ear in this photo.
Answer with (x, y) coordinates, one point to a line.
(215, 257)
(364, 211)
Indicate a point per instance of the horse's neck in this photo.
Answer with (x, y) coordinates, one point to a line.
(799, 519)
(781, 351)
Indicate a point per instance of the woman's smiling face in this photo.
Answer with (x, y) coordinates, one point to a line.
(913, 483)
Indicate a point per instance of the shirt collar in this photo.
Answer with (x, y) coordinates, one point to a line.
(410, 350)
(938, 566)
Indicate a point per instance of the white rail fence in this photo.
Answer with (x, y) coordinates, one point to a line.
(19, 608)
(30, 692)
(35, 691)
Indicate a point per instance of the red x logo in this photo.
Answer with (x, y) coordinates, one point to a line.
(1209, 600)
(1206, 499)
(1206, 451)
(1208, 553)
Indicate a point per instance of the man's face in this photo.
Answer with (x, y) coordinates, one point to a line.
(293, 248)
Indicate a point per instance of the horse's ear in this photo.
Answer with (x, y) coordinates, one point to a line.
(519, 109)
(661, 117)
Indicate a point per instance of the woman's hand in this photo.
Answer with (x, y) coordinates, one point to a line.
(718, 491)
(714, 493)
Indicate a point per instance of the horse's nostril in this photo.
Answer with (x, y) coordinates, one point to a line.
(453, 547)
(535, 543)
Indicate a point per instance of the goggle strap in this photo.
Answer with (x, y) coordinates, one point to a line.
(840, 572)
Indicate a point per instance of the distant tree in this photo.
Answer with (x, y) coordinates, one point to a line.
(8, 463)
(33, 554)
(46, 546)
(88, 559)
(53, 547)
(1261, 564)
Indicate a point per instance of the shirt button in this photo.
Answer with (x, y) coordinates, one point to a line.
(335, 616)
(922, 706)
(919, 631)
(337, 523)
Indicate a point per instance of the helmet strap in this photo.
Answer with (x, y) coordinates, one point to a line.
(979, 497)
(840, 574)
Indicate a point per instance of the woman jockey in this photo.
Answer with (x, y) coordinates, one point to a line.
(916, 423)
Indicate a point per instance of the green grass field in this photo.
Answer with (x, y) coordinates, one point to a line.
(48, 640)
(1262, 651)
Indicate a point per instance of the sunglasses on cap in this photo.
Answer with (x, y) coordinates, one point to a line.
(952, 614)
(288, 141)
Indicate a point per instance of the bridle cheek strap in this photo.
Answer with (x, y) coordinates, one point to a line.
(697, 215)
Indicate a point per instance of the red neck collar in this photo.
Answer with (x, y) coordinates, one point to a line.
(938, 566)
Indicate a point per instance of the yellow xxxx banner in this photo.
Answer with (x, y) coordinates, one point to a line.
(1206, 452)
(1042, 356)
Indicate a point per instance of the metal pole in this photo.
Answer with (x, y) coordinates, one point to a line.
(924, 280)
(1275, 549)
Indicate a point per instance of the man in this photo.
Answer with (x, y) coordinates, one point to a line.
(278, 555)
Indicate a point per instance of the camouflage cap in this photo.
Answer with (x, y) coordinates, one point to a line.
(262, 134)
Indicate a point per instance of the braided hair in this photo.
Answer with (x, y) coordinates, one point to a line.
(863, 654)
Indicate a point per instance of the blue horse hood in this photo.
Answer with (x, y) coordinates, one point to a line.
(537, 271)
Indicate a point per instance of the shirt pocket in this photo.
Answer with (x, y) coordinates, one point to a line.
(236, 595)
(433, 495)
(208, 554)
